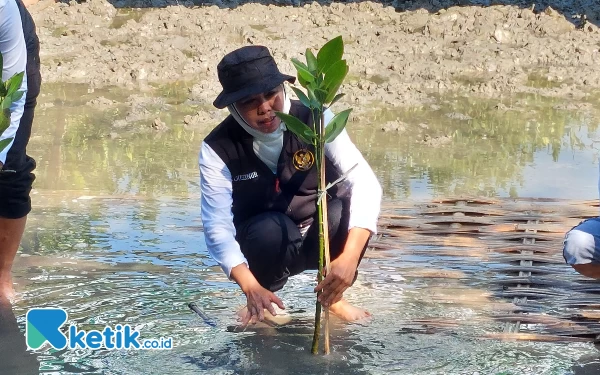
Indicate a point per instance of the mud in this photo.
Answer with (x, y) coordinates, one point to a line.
(402, 54)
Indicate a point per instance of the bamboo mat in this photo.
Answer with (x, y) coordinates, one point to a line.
(519, 242)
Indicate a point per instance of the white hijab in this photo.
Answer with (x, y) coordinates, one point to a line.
(267, 146)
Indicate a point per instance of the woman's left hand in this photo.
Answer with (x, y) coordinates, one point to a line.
(337, 280)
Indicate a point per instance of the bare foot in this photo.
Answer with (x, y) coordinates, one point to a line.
(347, 312)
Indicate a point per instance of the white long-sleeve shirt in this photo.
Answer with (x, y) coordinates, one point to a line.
(217, 197)
(14, 55)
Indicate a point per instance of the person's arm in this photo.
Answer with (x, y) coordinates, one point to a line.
(366, 192)
(219, 233)
(217, 218)
(365, 204)
(14, 56)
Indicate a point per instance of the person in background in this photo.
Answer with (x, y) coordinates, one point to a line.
(259, 192)
(582, 247)
(19, 46)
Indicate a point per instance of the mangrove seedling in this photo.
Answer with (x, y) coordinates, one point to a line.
(321, 76)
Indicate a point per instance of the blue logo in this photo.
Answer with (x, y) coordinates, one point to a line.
(44, 325)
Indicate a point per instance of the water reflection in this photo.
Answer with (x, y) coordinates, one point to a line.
(492, 142)
(462, 146)
(81, 146)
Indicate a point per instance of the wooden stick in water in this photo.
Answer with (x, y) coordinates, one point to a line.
(196, 309)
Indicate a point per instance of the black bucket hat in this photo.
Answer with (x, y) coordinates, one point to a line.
(247, 71)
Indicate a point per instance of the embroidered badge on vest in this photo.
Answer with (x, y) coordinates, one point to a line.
(303, 160)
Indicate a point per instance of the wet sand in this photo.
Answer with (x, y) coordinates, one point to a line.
(401, 54)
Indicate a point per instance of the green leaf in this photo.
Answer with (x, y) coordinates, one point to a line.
(330, 53)
(335, 75)
(297, 127)
(321, 95)
(313, 99)
(14, 83)
(304, 83)
(4, 143)
(303, 71)
(311, 62)
(299, 63)
(6, 103)
(336, 125)
(16, 96)
(334, 89)
(4, 121)
(318, 81)
(3, 90)
(302, 96)
(337, 97)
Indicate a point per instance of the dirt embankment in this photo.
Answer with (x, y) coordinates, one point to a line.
(397, 58)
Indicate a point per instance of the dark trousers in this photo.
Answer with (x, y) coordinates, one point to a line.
(16, 177)
(276, 250)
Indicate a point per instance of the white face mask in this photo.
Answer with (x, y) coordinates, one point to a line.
(257, 134)
(267, 146)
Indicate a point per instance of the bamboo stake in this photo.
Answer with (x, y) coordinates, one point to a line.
(323, 234)
(317, 332)
(323, 184)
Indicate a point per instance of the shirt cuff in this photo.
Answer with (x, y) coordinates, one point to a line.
(364, 224)
(232, 263)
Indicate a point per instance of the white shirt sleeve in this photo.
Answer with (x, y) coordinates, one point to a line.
(366, 192)
(217, 218)
(14, 55)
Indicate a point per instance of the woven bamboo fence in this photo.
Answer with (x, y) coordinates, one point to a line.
(518, 242)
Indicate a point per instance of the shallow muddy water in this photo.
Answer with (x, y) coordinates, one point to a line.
(115, 237)
(526, 146)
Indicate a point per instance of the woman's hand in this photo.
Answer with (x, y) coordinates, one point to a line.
(337, 280)
(343, 269)
(257, 297)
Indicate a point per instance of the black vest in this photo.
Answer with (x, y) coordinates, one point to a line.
(255, 188)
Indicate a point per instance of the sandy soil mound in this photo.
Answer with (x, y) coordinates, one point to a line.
(400, 54)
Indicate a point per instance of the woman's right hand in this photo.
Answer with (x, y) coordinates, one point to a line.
(257, 297)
